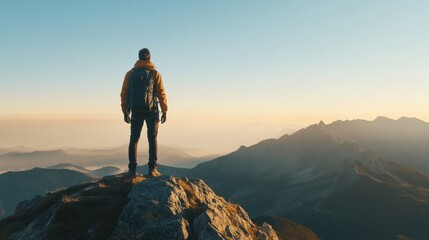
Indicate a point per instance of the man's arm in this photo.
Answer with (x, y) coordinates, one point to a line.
(161, 95)
(124, 97)
(160, 92)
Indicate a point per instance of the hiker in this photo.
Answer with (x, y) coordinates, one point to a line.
(142, 89)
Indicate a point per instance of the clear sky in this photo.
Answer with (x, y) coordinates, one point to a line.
(239, 67)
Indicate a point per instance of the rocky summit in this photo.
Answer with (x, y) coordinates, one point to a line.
(118, 207)
(172, 208)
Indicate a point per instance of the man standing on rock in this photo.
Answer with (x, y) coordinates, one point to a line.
(142, 89)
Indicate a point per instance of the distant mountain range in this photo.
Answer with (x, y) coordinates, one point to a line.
(337, 179)
(22, 158)
(404, 141)
(100, 172)
(16, 149)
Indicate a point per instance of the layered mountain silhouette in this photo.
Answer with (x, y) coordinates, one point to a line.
(22, 158)
(332, 179)
(404, 141)
(118, 207)
(100, 172)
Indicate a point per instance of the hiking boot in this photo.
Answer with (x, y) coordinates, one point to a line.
(153, 172)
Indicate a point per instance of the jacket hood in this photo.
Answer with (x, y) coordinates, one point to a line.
(144, 63)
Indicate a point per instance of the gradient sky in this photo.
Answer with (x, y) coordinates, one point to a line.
(256, 67)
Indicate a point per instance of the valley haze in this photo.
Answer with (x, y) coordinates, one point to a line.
(21, 157)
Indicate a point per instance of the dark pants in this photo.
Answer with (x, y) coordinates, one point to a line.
(152, 123)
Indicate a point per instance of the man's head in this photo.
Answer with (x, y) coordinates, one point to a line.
(144, 54)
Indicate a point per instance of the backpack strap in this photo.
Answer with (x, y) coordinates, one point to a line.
(155, 98)
(150, 74)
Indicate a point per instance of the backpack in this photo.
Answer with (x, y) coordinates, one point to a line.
(141, 91)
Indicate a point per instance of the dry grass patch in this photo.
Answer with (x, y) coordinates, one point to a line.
(193, 200)
(69, 199)
(137, 179)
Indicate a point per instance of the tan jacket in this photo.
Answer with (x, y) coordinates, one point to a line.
(160, 91)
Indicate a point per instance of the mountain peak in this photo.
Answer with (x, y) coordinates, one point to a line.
(411, 120)
(117, 207)
(383, 119)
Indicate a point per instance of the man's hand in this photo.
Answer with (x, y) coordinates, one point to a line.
(164, 117)
(127, 118)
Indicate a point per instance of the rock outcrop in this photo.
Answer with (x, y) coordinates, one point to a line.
(122, 208)
(172, 208)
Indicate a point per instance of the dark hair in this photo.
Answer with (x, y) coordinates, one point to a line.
(144, 54)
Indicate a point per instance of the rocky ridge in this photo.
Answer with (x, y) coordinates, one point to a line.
(120, 208)
(172, 208)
